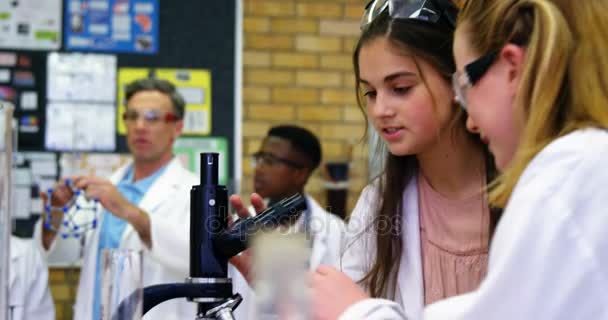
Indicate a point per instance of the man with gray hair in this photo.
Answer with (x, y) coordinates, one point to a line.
(146, 204)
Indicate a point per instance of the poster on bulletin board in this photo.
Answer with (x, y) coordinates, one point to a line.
(128, 26)
(30, 24)
(81, 93)
(193, 84)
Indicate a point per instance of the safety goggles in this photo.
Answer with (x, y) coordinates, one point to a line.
(150, 117)
(433, 11)
(463, 80)
(269, 159)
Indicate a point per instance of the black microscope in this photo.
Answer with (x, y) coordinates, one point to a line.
(212, 244)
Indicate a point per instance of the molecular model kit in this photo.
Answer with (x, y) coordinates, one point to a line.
(79, 213)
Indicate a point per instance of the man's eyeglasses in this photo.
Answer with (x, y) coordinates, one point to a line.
(434, 11)
(269, 159)
(472, 73)
(150, 117)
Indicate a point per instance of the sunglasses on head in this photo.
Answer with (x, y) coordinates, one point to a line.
(432, 11)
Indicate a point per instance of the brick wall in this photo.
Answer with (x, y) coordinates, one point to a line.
(64, 283)
(297, 69)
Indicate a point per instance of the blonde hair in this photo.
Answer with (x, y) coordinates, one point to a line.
(562, 89)
(589, 65)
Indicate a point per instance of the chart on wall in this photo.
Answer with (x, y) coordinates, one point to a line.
(193, 84)
(129, 26)
(81, 93)
(30, 24)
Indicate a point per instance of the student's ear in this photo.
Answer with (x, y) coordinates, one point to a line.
(179, 127)
(514, 56)
(301, 176)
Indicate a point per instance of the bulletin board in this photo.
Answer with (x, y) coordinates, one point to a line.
(201, 35)
(194, 35)
(22, 82)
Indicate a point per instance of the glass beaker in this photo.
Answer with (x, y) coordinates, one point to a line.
(121, 284)
(6, 155)
(281, 267)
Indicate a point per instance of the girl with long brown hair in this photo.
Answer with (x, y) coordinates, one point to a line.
(420, 232)
(533, 77)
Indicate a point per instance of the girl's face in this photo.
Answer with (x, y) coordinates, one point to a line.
(490, 101)
(408, 116)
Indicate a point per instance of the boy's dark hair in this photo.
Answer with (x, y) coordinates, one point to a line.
(302, 140)
(164, 86)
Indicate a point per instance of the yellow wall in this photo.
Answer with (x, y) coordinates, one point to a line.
(298, 70)
(64, 282)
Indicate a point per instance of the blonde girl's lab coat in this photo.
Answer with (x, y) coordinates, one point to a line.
(167, 261)
(549, 255)
(29, 293)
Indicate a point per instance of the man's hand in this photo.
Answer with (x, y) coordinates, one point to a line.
(243, 261)
(110, 198)
(103, 190)
(332, 293)
(59, 198)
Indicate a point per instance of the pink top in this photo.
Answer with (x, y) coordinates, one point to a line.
(454, 242)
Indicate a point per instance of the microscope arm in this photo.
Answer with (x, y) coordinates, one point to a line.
(157, 294)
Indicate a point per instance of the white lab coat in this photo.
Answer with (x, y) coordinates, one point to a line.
(549, 254)
(168, 204)
(360, 248)
(29, 293)
(327, 231)
(328, 235)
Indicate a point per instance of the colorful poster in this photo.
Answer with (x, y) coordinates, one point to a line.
(8, 94)
(30, 24)
(188, 150)
(129, 26)
(21, 78)
(193, 84)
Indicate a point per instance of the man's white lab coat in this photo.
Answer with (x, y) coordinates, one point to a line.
(168, 204)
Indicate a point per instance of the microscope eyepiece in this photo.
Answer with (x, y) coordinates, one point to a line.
(209, 168)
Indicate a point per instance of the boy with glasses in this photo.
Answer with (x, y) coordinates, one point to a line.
(288, 156)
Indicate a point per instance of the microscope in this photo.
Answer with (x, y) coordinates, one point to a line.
(212, 244)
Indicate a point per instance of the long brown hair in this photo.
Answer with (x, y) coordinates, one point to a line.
(433, 44)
